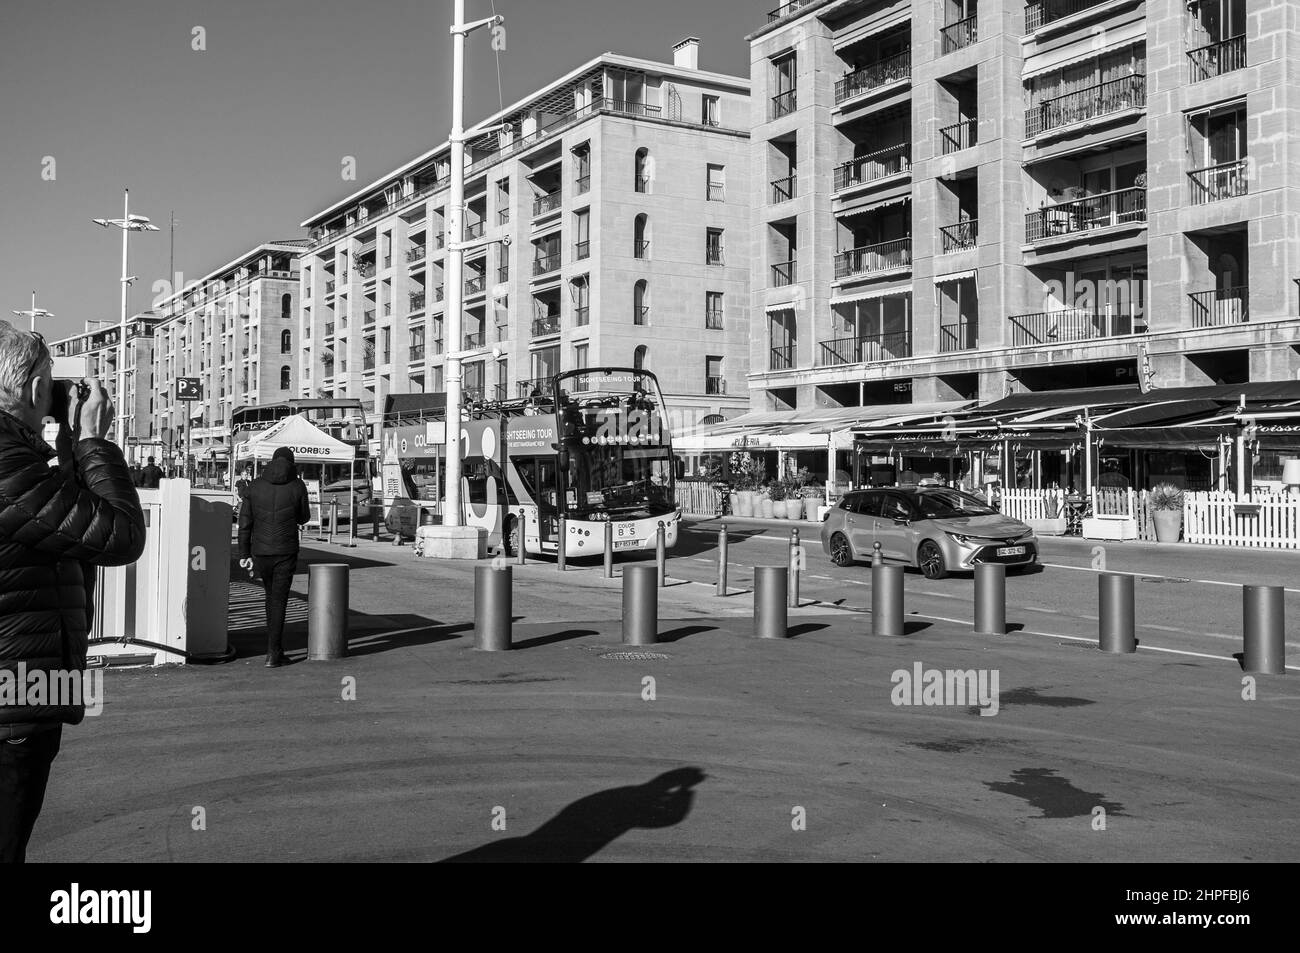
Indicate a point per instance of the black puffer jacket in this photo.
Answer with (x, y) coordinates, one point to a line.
(274, 506)
(55, 525)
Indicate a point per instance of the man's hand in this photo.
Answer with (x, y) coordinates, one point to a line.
(96, 418)
(246, 564)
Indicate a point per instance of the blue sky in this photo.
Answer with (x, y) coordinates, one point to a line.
(244, 140)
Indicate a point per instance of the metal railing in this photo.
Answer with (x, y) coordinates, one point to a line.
(883, 256)
(783, 190)
(785, 273)
(861, 350)
(581, 250)
(503, 273)
(368, 317)
(784, 103)
(503, 216)
(785, 9)
(1215, 59)
(1038, 15)
(961, 336)
(368, 362)
(547, 324)
(416, 254)
(1220, 306)
(958, 136)
(642, 182)
(329, 329)
(713, 320)
(1116, 95)
(366, 269)
(475, 339)
(388, 308)
(715, 385)
(439, 293)
(1068, 324)
(546, 203)
(881, 73)
(781, 358)
(888, 161)
(417, 353)
(959, 237)
(640, 249)
(546, 263)
(476, 285)
(329, 287)
(715, 193)
(474, 231)
(1224, 181)
(1121, 207)
(641, 314)
(957, 35)
(713, 255)
(417, 302)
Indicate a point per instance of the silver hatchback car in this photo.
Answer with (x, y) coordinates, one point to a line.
(933, 528)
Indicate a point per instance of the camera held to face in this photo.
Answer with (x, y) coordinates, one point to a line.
(66, 396)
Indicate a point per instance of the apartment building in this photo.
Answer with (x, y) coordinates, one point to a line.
(615, 214)
(94, 353)
(964, 199)
(236, 330)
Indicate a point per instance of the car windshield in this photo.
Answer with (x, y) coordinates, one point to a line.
(941, 504)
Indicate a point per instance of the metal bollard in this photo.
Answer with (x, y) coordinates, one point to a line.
(661, 553)
(990, 599)
(886, 600)
(521, 550)
(561, 556)
(609, 549)
(327, 611)
(722, 560)
(493, 608)
(770, 594)
(876, 558)
(334, 520)
(640, 605)
(1263, 630)
(1116, 629)
(352, 523)
(794, 569)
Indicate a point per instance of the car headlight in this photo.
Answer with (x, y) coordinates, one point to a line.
(959, 537)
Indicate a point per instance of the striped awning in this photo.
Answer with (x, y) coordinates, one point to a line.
(779, 306)
(873, 207)
(1090, 46)
(954, 276)
(893, 292)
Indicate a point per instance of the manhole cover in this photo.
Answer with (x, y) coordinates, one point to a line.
(634, 656)
(1160, 579)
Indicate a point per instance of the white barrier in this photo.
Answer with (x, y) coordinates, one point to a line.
(1270, 520)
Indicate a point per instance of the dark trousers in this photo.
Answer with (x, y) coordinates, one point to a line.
(24, 772)
(277, 577)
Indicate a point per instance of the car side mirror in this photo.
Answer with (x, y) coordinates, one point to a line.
(901, 521)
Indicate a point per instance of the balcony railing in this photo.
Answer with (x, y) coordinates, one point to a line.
(640, 249)
(716, 193)
(715, 385)
(958, 136)
(388, 308)
(784, 103)
(546, 324)
(866, 78)
(642, 182)
(1038, 15)
(475, 339)
(503, 216)
(415, 254)
(785, 9)
(366, 269)
(417, 302)
(582, 316)
(1116, 95)
(439, 293)
(1206, 62)
(869, 259)
(329, 329)
(960, 237)
(474, 231)
(1122, 207)
(503, 274)
(368, 318)
(782, 358)
(476, 285)
(1068, 324)
(546, 203)
(417, 353)
(783, 190)
(958, 35)
(713, 255)
(1220, 306)
(329, 287)
(860, 350)
(785, 273)
(888, 161)
(546, 263)
(641, 314)
(368, 362)
(581, 250)
(713, 320)
(1216, 182)
(439, 239)
(960, 336)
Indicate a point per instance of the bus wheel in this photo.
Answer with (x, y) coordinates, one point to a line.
(513, 538)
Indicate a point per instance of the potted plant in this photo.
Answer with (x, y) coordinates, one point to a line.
(777, 491)
(813, 496)
(1166, 502)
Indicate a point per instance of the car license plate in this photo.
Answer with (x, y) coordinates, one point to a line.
(1011, 550)
(626, 543)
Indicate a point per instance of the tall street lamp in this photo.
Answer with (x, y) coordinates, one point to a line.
(127, 223)
(33, 313)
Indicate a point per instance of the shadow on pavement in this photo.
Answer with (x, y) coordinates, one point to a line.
(681, 632)
(554, 637)
(589, 825)
(803, 628)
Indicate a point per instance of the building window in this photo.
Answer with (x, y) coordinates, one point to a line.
(644, 170)
(286, 341)
(713, 246)
(580, 356)
(284, 377)
(581, 235)
(503, 201)
(784, 69)
(286, 305)
(714, 382)
(580, 292)
(716, 190)
(1217, 153)
(713, 310)
(710, 114)
(582, 168)
(641, 303)
(639, 357)
(641, 236)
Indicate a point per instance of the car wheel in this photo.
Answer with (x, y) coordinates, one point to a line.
(930, 558)
(841, 550)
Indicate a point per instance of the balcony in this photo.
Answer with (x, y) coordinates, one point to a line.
(962, 236)
(1214, 183)
(713, 320)
(1212, 309)
(873, 259)
(1122, 207)
(880, 164)
(1069, 324)
(503, 273)
(417, 353)
(958, 136)
(582, 316)
(366, 269)
(417, 302)
(503, 216)
(715, 193)
(1040, 14)
(329, 287)
(546, 264)
(715, 385)
(1215, 59)
(862, 350)
(713, 255)
(368, 363)
(581, 250)
(546, 203)
(546, 324)
(368, 318)
(329, 329)
(475, 339)
(786, 9)
(785, 273)
(474, 231)
(415, 254)
(956, 36)
(960, 336)
(781, 358)
(1116, 95)
(890, 70)
(439, 293)
(439, 241)
(783, 104)
(641, 315)
(476, 285)
(640, 249)
(783, 190)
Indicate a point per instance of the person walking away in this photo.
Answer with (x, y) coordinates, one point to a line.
(150, 476)
(274, 506)
(56, 524)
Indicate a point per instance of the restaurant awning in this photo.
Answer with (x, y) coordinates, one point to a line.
(813, 429)
(1172, 438)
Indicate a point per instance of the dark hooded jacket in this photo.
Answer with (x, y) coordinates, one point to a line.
(56, 525)
(274, 506)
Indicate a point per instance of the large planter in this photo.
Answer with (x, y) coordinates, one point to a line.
(746, 503)
(1169, 524)
(735, 504)
(778, 509)
(764, 508)
(810, 506)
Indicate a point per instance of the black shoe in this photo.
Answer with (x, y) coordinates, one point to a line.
(278, 661)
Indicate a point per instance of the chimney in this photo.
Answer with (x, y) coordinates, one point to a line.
(687, 53)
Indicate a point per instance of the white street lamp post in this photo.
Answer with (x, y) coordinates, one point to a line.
(33, 313)
(127, 223)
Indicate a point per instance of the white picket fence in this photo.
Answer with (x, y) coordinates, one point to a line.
(1033, 504)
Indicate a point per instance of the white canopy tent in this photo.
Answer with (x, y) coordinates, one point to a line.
(309, 443)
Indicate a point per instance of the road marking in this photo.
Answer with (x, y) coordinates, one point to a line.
(1154, 575)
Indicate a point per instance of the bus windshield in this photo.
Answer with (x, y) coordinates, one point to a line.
(623, 481)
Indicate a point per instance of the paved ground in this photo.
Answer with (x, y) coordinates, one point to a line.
(740, 735)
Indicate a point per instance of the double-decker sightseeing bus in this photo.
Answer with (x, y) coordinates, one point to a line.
(595, 450)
